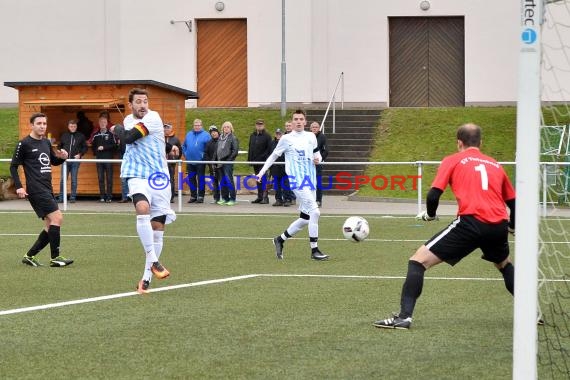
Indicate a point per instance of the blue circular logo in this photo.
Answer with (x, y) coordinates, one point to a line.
(528, 36)
(158, 181)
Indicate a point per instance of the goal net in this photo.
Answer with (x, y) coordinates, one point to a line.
(544, 256)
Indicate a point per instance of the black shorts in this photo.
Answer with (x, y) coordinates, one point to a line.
(43, 204)
(465, 234)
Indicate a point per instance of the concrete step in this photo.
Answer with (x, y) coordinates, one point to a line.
(347, 159)
(355, 130)
(350, 139)
(354, 122)
(341, 131)
(361, 155)
(349, 144)
(355, 138)
(345, 133)
(338, 111)
(372, 119)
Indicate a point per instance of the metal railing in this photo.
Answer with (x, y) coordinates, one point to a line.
(546, 170)
(332, 102)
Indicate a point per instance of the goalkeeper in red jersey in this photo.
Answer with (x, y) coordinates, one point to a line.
(483, 192)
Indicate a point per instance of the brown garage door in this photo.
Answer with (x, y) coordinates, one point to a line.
(427, 62)
(222, 63)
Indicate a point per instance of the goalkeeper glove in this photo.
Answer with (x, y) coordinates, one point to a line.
(425, 217)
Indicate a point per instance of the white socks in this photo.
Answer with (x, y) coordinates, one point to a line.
(314, 225)
(157, 236)
(146, 235)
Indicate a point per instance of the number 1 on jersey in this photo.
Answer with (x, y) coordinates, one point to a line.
(484, 179)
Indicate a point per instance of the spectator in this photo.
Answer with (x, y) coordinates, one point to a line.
(211, 155)
(84, 125)
(259, 149)
(322, 146)
(75, 145)
(193, 147)
(104, 145)
(35, 154)
(175, 154)
(280, 180)
(228, 147)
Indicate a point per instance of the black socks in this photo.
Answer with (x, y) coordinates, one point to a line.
(54, 240)
(40, 243)
(412, 288)
(508, 273)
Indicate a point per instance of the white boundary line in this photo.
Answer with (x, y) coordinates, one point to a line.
(251, 214)
(121, 295)
(379, 277)
(228, 279)
(211, 237)
(254, 214)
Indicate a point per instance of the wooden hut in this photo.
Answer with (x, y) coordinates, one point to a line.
(61, 101)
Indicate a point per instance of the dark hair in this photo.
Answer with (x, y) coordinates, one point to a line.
(137, 91)
(35, 116)
(300, 111)
(105, 114)
(470, 135)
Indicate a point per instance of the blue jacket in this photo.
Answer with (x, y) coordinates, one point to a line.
(195, 145)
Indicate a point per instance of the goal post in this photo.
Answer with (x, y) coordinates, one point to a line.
(527, 187)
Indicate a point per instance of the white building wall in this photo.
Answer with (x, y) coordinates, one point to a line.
(50, 40)
(60, 40)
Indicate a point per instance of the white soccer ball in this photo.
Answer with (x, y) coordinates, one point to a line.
(355, 229)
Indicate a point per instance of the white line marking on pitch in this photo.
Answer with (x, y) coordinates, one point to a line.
(208, 237)
(397, 277)
(380, 277)
(228, 279)
(122, 295)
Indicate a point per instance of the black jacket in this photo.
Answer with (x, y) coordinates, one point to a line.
(322, 145)
(107, 141)
(211, 153)
(227, 148)
(277, 170)
(259, 146)
(174, 141)
(120, 139)
(73, 143)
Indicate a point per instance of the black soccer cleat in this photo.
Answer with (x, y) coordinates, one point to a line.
(319, 256)
(394, 323)
(31, 261)
(60, 261)
(278, 247)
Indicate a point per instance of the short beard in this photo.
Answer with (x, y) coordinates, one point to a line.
(139, 114)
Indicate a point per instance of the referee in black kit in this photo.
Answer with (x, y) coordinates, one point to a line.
(36, 155)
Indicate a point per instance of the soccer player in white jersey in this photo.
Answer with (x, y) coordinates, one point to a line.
(146, 170)
(301, 156)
